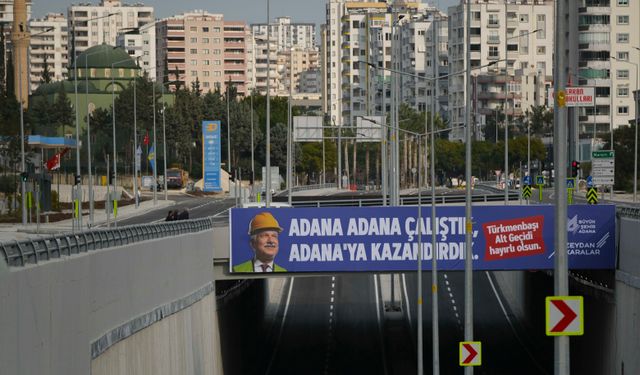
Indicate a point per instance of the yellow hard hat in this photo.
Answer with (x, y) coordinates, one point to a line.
(263, 221)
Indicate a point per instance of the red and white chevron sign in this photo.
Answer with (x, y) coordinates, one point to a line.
(470, 353)
(564, 316)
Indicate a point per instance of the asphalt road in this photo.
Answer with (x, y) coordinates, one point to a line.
(197, 206)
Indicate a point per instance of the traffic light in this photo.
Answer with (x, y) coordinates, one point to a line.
(78, 179)
(575, 166)
(24, 176)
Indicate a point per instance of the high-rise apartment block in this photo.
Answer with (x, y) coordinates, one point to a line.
(140, 44)
(364, 41)
(286, 34)
(201, 47)
(293, 54)
(516, 34)
(49, 44)
(97, 24)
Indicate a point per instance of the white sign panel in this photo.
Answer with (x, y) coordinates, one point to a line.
(576, 96)
(307, 128)
(369, 128)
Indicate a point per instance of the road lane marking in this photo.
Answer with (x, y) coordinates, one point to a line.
(284, 318)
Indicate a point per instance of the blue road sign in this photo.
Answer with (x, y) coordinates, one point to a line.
(539, 180)
(571, 183)
(589, 181)
(527, 180)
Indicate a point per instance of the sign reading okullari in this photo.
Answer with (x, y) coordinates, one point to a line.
(353, 239)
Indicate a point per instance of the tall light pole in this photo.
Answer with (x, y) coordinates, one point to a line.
(86, 93)
(267, 178)
(468, 256)
(115, 153)
(228, 130)
(136, 157)
(560, 121)
(155, 147)
(289, 126)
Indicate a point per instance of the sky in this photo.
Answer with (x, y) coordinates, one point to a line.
(250, 11)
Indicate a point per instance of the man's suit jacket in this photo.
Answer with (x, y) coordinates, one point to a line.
(248, 267)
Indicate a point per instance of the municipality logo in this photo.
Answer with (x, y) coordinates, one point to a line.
(603, 240)
(572, 225)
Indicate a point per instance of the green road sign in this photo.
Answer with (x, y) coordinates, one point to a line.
(603, 154)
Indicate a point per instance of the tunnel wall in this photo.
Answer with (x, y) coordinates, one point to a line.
(149, 299)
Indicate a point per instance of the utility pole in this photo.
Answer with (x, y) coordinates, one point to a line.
(560, 118)
(468, 257)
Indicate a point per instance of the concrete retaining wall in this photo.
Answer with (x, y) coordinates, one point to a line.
(627, 321)
(52, 313)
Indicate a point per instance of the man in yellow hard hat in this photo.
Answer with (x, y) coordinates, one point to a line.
(264, 230)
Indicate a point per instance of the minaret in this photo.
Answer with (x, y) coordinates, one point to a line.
(20, 38)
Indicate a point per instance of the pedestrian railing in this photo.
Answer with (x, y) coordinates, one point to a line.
(36, 250)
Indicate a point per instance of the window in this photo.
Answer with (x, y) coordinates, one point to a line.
(205, 51)
(622, 74)
(205, 40)
(494, 53)
(193, 51)
(355, 24)
(541, 25)
(205, 29)
(217, 62)
(541, 50)
(623, 110)
(193, 28)
(216, 51)
(624, 56)
(494, 21)
(205, 62)
(193, 62)
(622, 37)
(205, 84)
(524, 18)
(216, 40)
(194, 73)
(623, 91)
(206, 73)
(623, 20)
(193, 40)
(623, 3)
(216, 29)
(475, 16)
(216, 74)
(494, 37)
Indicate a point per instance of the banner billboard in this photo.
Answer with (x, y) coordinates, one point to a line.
(354, 239)
(576, 96)
(211, 155)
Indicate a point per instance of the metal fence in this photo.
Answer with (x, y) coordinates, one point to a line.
(36, 250)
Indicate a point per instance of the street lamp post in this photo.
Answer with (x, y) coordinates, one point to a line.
(136, 157)
(267, 178)
(115, 154)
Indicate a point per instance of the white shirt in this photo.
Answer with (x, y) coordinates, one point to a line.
(257, 266)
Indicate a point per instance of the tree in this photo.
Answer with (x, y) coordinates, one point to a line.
(62, 113)
(541, 120)
(624, 147)
(45, 77)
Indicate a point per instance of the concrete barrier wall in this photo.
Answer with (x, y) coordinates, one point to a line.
(52, 313)
(628, 298)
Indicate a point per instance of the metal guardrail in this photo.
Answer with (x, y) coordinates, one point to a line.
(314, 187)
(628, 211)
(34, 251)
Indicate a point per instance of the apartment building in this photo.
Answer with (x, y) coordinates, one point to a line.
(191, 46)
(516, 34)
(140, 44)
(93, 25)
(292, 54)
(49, 44)
(288, 35)
(6, 13)
(625, 50)
(359, 36)
(236, 44)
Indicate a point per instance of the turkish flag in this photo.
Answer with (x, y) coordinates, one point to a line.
(54, 162)
(145, 141)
